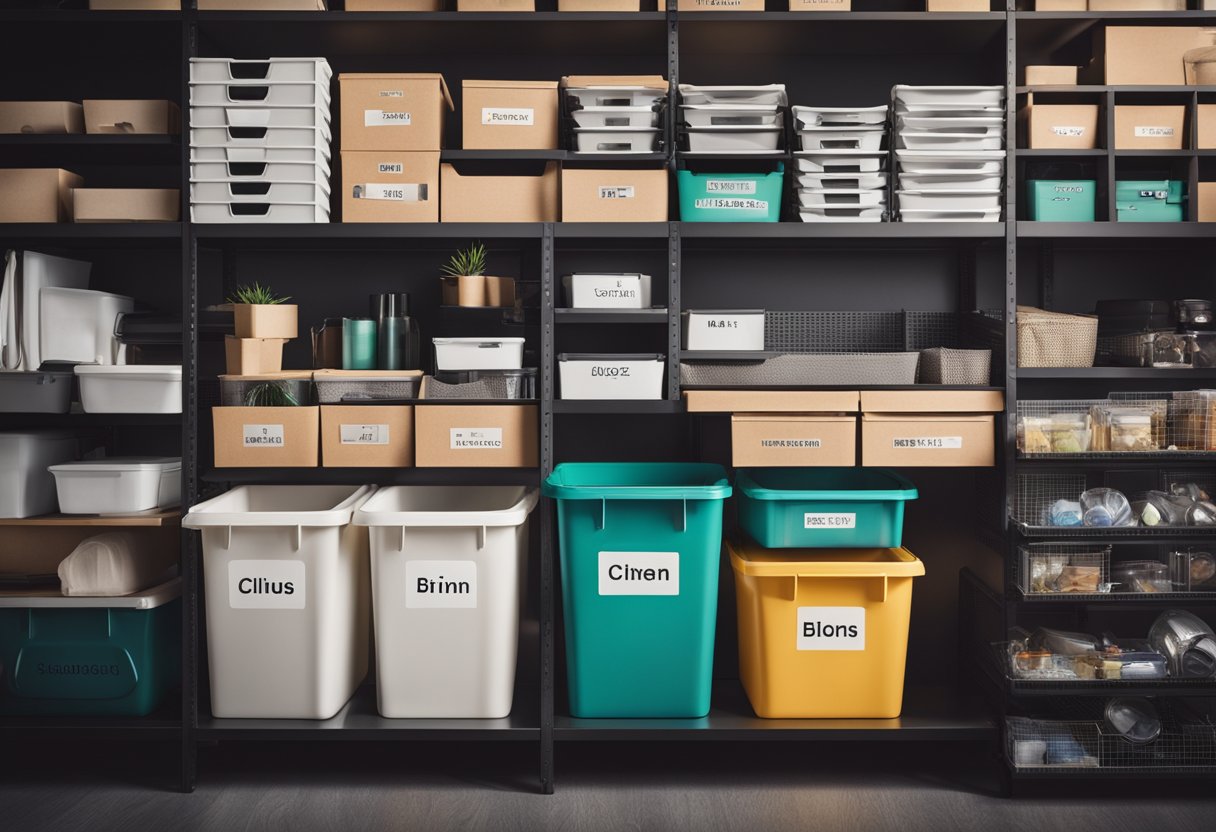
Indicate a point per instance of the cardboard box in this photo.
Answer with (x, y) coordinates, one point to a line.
(41, 117)
(928, 440)
(821, 5)
(476, 436)
(477, 290)
(1045, 76)
(802, 440)
(394, 5)
(265, 320)
(1137, 5)
(1147, 55)
(132, 116)
(390, 186)
(958, 6)
(772, 401)
(932, 401)
(127, 205)
(1206, 128)
(393, 111)
(1062, 126)
(509, 115)
(367, 436)
(266, 437)
(498, 198)
(1207, 201)
(261, 5)
(1060, 5)
(37, 194)
(600, 5)
(1149, 128)
(614, 195)
(495, 5)
(135, 5)
(253, 356)
(720, 6)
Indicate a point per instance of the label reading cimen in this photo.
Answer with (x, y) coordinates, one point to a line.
(639, 573)
(831, 628)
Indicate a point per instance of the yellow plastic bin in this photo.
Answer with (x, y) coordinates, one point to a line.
(823, 632)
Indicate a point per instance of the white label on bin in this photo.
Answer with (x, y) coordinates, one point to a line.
(791, 443)
(476, 439)
(616, 192)
(639, 573)
(389, 193)
(730, 186)
(264, 436)
(725, 203)
(831, 628)
(829, 520)
(363, 434)
(441, 584)
(1067, 131)
(927, 443)
(1150, 132)
(508, 116)
(390, 167)
(266, 584)
(383, 118)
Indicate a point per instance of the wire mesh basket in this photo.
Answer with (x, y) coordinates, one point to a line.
(1064, 569)
(943, 365)
(1052, 744)
(1068, 427)
(1193, 420)
(1054, 339)
(1186, 741)
(1040, 498)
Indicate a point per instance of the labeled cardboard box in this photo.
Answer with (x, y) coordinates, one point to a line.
(1145, 55)
(132, 116)
(253, 356)
(41, 117)
(476, 436)
(394, 5)
(802, 440)
(509, 115)
(1206, 128)
(772, 401)
(1137, 5)
(1149, 128)
(499, 198)
(1062, 126)
(1044, 76)
(932, 401)
(957, 6)
(495, 5)
(928, 440)
(266, 437)
(37, 194)
(261, 5)
(1207, 201)
(390, 186)
(367, 436)
(720, 6)
(1060, 5)
(614, 195)
(393, 111)
(600, 5)
(821, 5)
(127, 205)
(135, 5)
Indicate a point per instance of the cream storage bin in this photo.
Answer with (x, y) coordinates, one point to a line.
(130, 388)
(78, 325)
(839, 161)
(256, 117)
(819, 116)
(861, 137)
(118, 485)
(607, 291)
(27, 487)
(726, 329)
(772, 95)
(731, 115)
(272, 212)
(734, 139)
(590, 376)
(841, 213)
(478, 353)
(266, 71)
(629, 116)
(287, 589)
(616, 139)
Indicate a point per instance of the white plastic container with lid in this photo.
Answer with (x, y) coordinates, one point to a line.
(950, 200)
(249, 160)
(260, 70)
(314, 170)
(259, 191)
(479, 353)
(616, 96)
(118, 485)
(266, 138)
(287, 589)
(857, 180)
(448, 567)
(734, 139)
(616, 139)
(258, 117)
(592, 376)
(130, 388)
(950, 141)
(819, 116)
(772, 95)
(862, 137)
(724, 329)
(27, 487)
(950, 180)
(974, 96)
(78, 325)
(841, 196)
(984, 125)
(607, 291)
(237, 93)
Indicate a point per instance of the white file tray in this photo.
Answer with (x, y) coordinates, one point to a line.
(950, 141)
(931, 161)
(950, 200)
(254, 171)
(270, 138)
(266, 70)
(618, 117)
(616, 96)
(731, 115)
(949, 180)
(842, 197)
(982, 125)
(861, 181)
(929, 215)
(734, 139)
(240, 155)
(769, 94)
(947, 110)
(616, 139)
(842, 138)
(264, 191)
(259, 212)
(953, 96)
(840, 161)
(841, 213)
(828, 116)
(260, 94)
(245, 116)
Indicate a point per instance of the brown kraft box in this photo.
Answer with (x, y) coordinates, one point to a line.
(1047, 76)
(928, 440)
(1062, 126)
(775, 440)
(37, 194)
(600, 5)
(476, 436)
(1060, 5)
(135, 5)
(1144, 55)
(150, 116)
(957, 6)
(509, 115)
(41, 117)
(367, 436)
(127, 205)
(720, 6)
(932, 401)
(495, 5)
(394, 5)
(1149, 128)
(390, 186)
(253, 356)
(498, 198)
(393, 111)
(772, 401)
(614, 195)
(1207, 201)
(266, 437)
(1206, 128)
(821, 5)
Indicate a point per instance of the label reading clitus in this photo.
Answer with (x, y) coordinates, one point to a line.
(266, 584)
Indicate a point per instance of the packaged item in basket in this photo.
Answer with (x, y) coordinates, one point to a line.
(1045, 569)
(1193, 571)
(1079, 579)
(1069, 433)
(1106, 507)
(1131, 430)
(1141, 576)
(1065, 513)
(1034, 434)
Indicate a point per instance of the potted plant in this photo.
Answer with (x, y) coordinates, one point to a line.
(465, 282)
(260, 313)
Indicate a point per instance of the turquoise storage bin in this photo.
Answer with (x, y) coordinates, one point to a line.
(1062, 200)
(640, 547)
(89, 656)
(840, 508)
(730, 197)
(1150, 200)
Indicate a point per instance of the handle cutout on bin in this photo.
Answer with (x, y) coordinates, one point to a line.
(247, 132)
(248, 70)
(881, 600)
(246, 168)
(249, 188)
(241, 93)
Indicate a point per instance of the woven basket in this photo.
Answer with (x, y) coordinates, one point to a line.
(1053, 339)
(942, 365)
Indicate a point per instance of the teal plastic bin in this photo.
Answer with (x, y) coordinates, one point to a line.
(640, 547)
(839, 508)
(730, 197)
(1062, 200)
(89, 656)
(1150, 200)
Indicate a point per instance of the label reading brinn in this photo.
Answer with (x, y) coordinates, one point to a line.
(386, 118)
(831, 628)
(266, 584)
(363, 434)
(829, 520)
(927, 443)
(476, 439)
(263, 436)
(508, 116)
(639, 573)
(441, 584)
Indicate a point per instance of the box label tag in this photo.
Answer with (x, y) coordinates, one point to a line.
(639, 573)
(1151, 132)
(390, 193)
(476, 439)
(263, 436)
(390, 167)
(726, 203)
(612, 291)
(508, 116)
(441, 584)
(385, 118)
(730, 186)
(831, 628)
(266, 584)
(616, 192)
(609, 371)
(363, 434)
(928, 443)
(791, 443)
(829, 520)
(392, 93)
(1070, 132)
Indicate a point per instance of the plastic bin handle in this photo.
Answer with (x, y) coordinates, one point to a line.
(848, 575)
(603, 518)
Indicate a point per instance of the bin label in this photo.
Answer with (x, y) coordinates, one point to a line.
(364, 434)
(476, 439)
(616, 192)
(639, 573)
(831, 628)
(266, 584)
(1068, 131)
(829, 520)
(927, 443)
(791, 443)
(390, 193)
(1153, 132)
(730, 186)
(441, 584)
(731, 204)
(385, 118)
(264, 436)
(513, 116)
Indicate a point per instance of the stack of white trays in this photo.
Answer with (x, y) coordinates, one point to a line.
(733, 120)
(616, 119)
(841, 164)
(260, 140)
(950, 148)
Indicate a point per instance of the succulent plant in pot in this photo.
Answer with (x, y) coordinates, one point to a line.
(465, 282)
(259, 312)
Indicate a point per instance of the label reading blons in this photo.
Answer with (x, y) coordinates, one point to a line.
(616, 192)
(927, 443)
(831, 628)
(266, 584)
(385, 118)
(639, 573)
(730, 186)
(363, 434)
(508, 116)
(829, 520)
(476, 439)
(441, 584)
(263, 436)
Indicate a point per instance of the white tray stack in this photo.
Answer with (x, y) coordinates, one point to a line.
(950, 147)
(733, 120)
(841, 164)
(260, 140)
(616, 118)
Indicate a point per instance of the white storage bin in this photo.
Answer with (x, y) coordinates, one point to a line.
(948, 110)
(986, 126)
(244, 157)
(862, 181)
(118, 485)
(932, 215)
(616, 117)
(841, 213)
(588, 376)
(950, 200)
(839, 161)
(317, 138)
(448, 571)
(259, 191)
(842, 138)
(822, 116)
(616, 139)
(237, 212)
(258, 117)
(607, 291)
(27, 487)
(731, 115)
(950, 180)
(270, 95)
(478, 353)
(78, 325)
(608, 96)
(724, 329)
(950, 141)
(990, 96)
(935, 161)
(266, 70)
(772, 95)
(287, 589)
(130, 388)
(309, 171)
(839, 196)
(734, 139)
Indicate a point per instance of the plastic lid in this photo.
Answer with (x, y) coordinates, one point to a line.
(448, 506)
(1133, 718)
(610, 356)
(638, 481)
(824, 484)
(148, 599)
(749, 558)
(121, 463)
(166, 370)
(445, 341)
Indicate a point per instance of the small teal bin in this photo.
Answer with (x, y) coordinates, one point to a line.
(1150, 200)
(1060, 200)
(841, 508)
(640, 548)
(730, 197)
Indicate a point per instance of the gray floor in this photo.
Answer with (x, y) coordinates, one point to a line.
(610, 787)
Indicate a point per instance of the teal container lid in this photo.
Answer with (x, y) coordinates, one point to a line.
(638, 481)
(871, 484)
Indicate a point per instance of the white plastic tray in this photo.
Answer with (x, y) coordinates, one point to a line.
(950, 141)
(270, 138)
(954, 96)
(260, 212)
(930, 161)
(734, 139)
(237, 154)
(265, 171)
(859, 181)
(618, 117)
(266, 70)
(478, 353)
(985, 125)
(731, 115)
(259, 191)
(841, 213)
(842, 197)
(835, 161)
(769, 94)
(260, 94)
(950, 180)
(241, 116)
(616, 96)
(827, 116)
(616, 139)
(930, 215)
(611, 376)
(956, 200)
(842, 138)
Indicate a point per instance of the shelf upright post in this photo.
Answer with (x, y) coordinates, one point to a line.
(548, 626)
(1192, 143)
(1112, 173)
(673, 311)
(1009, 456)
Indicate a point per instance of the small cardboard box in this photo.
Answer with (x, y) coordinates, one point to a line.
(1046, 76)
(1060, 5)
(253, 356)
(1062, 126)
(932, 401)
(394, 5)
(41, 117)
(1206, 127)
(393, 111)
(720, 6)
(509, 115)
(928, 440)
(495, 5)
(1207, 201)
(476, 436)
(1137, 5)
(367, 436)
(266, 437)
(135, 5)
(499, 198)
(821, 5)
(37, 194)
(390, 186)
(803, 440)
(265, 320)
(1144, 55)
(261, 5)
(772, 401)
(614, 195)
(958, 6)
(601, 5)
(127, 205)
(1149, 128)
(132, 116)
(474, 290)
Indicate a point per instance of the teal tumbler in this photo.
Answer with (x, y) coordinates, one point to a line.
(358, 344)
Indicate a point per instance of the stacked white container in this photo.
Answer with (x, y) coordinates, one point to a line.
(950, 146)
(616, 118)
(733, 120)
(841, 164)
(259, 140)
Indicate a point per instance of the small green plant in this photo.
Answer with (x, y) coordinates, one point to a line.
(270, 394)
(256, 295)
(469, 261)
